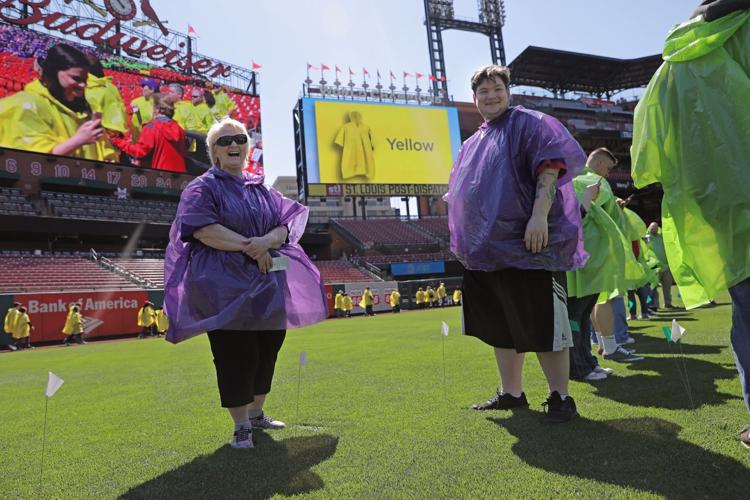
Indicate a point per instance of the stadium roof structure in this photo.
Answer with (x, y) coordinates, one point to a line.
(560, 71)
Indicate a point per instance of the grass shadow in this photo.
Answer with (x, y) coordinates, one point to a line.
(667, 390)
(653, 345)
(272, 468)
(645, 454)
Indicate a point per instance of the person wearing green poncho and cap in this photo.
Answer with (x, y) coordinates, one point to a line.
(692, 134)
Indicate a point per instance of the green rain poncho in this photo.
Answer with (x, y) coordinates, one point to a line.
(692, 134)
(636, 231)
(611, 265)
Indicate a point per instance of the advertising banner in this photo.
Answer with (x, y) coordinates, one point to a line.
(412, 268)
(349, 142)
(105, 313)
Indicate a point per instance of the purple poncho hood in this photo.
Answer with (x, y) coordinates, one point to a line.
(492, 189)
(208, 289)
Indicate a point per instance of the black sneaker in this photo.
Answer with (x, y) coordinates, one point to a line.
(501, 401)
(558, 410)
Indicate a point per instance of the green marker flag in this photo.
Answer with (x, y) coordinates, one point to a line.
(667, 333)
(649, 299)
(630, 304)
(575, 326)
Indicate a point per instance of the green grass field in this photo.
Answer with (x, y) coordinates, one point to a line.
(141, 419)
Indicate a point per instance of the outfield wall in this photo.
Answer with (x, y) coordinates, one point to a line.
(107, 313)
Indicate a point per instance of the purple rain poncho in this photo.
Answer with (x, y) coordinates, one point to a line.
(207, 289)
(492, 189)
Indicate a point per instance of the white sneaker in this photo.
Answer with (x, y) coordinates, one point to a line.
(601, 369)
(242, 438)
(595, 375)
(263, 421)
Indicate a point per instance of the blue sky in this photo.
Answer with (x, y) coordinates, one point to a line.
(390, 35)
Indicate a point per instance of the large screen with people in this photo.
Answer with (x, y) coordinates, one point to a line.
(63, 98)
(351, 143)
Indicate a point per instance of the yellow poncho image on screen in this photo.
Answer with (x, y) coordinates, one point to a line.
(382, 144)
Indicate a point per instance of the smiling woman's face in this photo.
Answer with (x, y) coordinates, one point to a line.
(234, 156)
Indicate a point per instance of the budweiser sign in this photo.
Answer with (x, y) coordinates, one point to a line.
(30, 12)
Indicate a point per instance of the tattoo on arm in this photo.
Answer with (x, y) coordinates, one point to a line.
(546, 187)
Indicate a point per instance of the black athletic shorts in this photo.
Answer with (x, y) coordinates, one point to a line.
(521, 309)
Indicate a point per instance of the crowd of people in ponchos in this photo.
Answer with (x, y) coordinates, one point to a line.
(18, 326)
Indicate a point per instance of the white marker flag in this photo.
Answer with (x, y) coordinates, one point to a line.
(53, 384)
(445, 329)
(677, 331)
(303, 358)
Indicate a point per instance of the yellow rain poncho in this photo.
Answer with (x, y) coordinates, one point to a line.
(146, 316)
(224, 105)
(366, 299)
(347, 304)
(69, 326)
(10, 324)
(691, 133)
(338, 301)
(23, 327)
(144, 115)
(162, 322)
(104, 98)
(194, 118)
(394, 299)
(33, 120)
(441, 293)
(420, 297)
(457, 296)
(358, 143)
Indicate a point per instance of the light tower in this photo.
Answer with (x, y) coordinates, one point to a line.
(439, 16)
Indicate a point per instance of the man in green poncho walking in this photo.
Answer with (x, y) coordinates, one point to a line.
(692, 134)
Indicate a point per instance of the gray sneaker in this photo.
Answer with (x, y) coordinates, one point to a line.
(242, 439)
(263, 421)
(622, 356)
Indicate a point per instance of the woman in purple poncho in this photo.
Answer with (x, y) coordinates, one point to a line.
(234, 269)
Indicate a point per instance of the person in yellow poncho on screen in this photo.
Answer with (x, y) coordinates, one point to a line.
(367, 301)
(105, 99)
(146, 320)
(420, 298)
(224, 105)
(338, 304)
(11, 322)
(395, 301)
(161, 322)
(347, 305)
(143, 107)
(51, 114)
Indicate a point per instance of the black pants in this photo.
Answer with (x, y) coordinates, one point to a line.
(244, 362)
(582, 362)
(368, 311)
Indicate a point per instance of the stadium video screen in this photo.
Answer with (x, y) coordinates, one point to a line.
(127, 112)
(349, 142)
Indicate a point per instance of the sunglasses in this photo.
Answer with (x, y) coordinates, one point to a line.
(227, 140)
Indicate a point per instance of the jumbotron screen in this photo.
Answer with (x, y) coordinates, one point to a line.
(368, 149)
(43, 108)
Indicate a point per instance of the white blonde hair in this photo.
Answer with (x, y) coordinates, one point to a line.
(213, 136)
